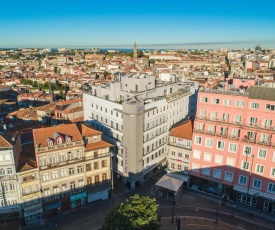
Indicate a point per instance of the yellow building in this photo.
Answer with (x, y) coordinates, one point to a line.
(74, 167)
(29, 182)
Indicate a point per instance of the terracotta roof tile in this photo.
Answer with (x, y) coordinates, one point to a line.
(40, 135)
(4, 143)
(87, 130)
(97, 145)
(183, 130)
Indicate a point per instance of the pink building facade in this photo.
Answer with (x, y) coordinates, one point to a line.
(233, 146)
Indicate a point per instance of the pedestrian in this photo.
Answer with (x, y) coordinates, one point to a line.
(56, 227)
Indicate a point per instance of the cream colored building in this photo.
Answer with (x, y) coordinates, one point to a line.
(179, 148)
(29, 183)
(74, 167)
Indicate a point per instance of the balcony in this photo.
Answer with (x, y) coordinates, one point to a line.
(53, 147)
(73, 161)
(237, 123)
(179, 145)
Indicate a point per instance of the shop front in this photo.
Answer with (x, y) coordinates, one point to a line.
(33, 216)
(78, 200)
(52, 210)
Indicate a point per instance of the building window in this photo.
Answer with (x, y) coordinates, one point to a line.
(104, 164)
(218, 159)
(262, 153)
(239, 104)
(220, 145)
(209, 142)
(9, 171)
(55, 189)
(260, 169)
(89, 180)
(242, 180)
(80, 183)
(88, 167)
(230, 161)
(271, 187)
(54, 175)
(64, 187)
(247, 150)
(79, 169)
(47, 192)
(254, 105)
(272, 173)
(245, 165)
(45, 177)
(228, 176)
(226, 102)
(198, 140)
(217, 173)
(70, 156)
(179, 167)
(203, 113)
(52, 160)
(206, 170)
(42, 161)
(257, 184)
(96, 165)
(78, 154)
(237, 119)
(63, 172)
(232, 147)
(207, 157)
(197, 154)
(61, 158)
(270, 107)
(72, 185)
(96, 179)
(204, 99)
(71, 171)
(215, 101)
(104, 176)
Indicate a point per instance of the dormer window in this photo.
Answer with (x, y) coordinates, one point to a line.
(59, 140)
(94, 138)
(50, 142)
(68, 139)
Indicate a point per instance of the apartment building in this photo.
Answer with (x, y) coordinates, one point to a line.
(135, 113)
(30, 192)
(179, 148)
(10, 148)
(233, 151)
(74, 167)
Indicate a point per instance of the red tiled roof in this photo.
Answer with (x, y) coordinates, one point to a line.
(4, 143)
(87, 130)
(183, 130)
(40, 135)
(97, 145)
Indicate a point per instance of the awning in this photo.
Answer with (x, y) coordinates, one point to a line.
(253, 192)
(179, 176)
(170, 183)
(52, 206)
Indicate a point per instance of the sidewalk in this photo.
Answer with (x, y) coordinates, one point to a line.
(205, 201)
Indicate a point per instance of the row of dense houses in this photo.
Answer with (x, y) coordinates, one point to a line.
(66, 167)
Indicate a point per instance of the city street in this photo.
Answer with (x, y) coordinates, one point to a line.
(196, 211)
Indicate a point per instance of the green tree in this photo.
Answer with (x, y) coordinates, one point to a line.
(135, 214)
(55, 69)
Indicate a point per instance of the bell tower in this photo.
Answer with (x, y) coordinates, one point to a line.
(135, 51)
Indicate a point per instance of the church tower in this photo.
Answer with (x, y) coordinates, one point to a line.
(135, 51)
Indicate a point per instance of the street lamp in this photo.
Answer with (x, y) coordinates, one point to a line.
(112, 179)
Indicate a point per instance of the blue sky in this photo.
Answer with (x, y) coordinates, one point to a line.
(152, 24)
